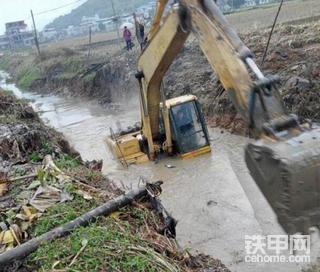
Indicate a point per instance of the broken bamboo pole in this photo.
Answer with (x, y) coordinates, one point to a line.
(111, 206)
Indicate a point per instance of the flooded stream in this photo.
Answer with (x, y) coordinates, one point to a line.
(213, 196)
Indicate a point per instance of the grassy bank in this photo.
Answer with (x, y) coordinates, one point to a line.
(71, 72)
(28, 70)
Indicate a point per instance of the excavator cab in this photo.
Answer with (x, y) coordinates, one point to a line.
(182, 131)
(188, 128)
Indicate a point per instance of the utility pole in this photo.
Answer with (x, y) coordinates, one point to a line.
(35, 34)
(89, 45)
(271, 32)
(117, 22)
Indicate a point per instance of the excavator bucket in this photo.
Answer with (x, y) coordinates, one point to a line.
(288, 174)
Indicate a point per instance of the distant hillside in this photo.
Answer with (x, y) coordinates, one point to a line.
(101, 7)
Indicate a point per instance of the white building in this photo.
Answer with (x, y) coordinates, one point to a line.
(127, 18)
(250, 3)
(261, 2)
(108, 23)
(72, 30)
(90, 22)
(4, 42)
(49, 34)
(147, 11)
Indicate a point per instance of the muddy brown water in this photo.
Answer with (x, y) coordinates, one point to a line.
(213, 196)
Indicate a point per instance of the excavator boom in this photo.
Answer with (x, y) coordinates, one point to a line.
(284, 162)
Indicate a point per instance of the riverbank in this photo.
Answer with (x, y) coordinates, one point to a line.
(109, 78)
(70, 72)
(27, 147)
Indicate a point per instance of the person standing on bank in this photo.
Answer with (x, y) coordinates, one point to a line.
(141, 32)
(127, 37)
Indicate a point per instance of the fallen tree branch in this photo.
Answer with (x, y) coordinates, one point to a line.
(18, 178)
(80, 183)
(111, 206)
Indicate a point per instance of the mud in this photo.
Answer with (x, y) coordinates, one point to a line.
(292, 54)
(191, 73)
(213, 197)
(108, 81)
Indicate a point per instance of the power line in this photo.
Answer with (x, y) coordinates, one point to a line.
(57, 8)
(53, 9)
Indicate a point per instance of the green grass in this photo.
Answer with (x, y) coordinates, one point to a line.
(112, 244)
(34, 157)
(45, 149)
(66, 162)
(61, 214)
(26, 69)
(71, 67)
(73, 167)
(65, 76)
(5, 62)
(26, 76)
(6, 92)
(90, 77)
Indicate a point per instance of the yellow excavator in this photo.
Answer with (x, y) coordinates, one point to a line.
(285, 159)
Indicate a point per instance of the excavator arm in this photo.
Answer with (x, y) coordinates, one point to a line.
(284, 162)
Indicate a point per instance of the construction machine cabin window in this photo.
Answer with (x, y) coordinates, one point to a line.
(188, 128)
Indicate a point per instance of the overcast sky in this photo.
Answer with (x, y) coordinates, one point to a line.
(14, 10)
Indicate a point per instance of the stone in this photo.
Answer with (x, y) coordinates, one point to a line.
(298, 83)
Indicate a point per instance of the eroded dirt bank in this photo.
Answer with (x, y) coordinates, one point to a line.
(293, 55)
(70, 72)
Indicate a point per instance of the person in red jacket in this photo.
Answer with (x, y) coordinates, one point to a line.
(127, 37)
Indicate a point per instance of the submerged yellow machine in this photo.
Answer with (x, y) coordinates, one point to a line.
(284, 161)
(182, 130)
